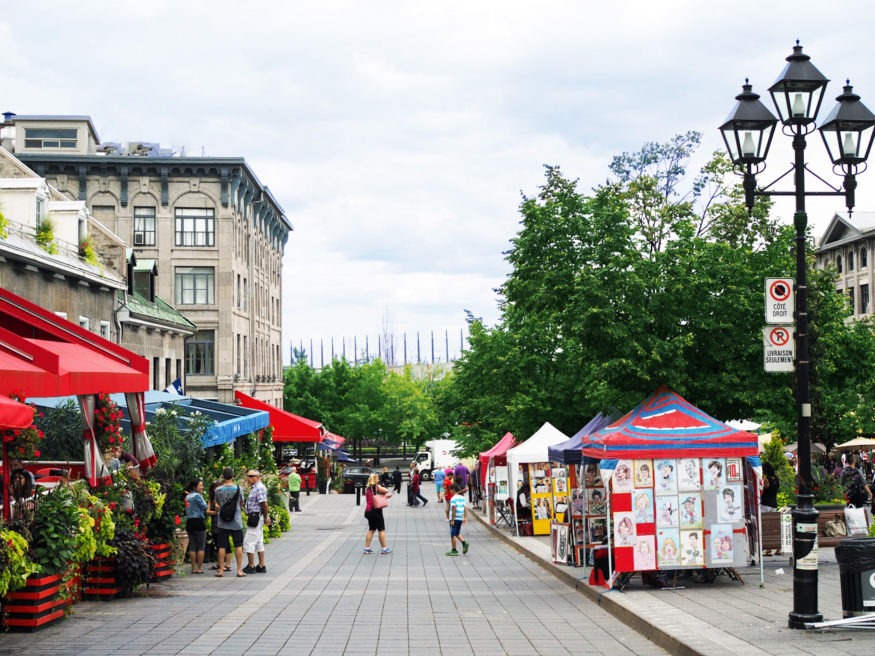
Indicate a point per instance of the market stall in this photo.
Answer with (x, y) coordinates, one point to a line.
(493, 473)
(677, 489)
(531, 474)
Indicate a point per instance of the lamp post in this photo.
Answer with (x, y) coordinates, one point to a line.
(847, 132)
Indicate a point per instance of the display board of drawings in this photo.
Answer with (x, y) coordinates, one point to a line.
(669, 513)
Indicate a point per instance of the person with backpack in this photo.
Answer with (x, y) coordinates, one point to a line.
(229, 498)
(856, 489)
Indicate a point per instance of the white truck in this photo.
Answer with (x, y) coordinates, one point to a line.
(435, 454)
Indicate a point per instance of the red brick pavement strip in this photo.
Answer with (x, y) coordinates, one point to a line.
(720, 618)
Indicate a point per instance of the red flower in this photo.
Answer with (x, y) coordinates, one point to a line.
(177, 520)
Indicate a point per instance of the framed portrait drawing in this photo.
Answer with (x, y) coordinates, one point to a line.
(691, 511)
(623, 476)
(643, 473)
(667, 515)
(624, 530)
(642, 506)
(714, 473)
(689, 475)
(577, 496)
(668, 552)
(645, 553)
(665, 478)
(722, 547)
(730, 504)
(596, 502)
(597, 530)
(692, 548)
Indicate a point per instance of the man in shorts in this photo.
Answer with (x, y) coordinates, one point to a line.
(457, 512)
(253, 541)
(229, 529)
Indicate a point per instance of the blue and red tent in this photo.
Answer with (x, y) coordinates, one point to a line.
(665, 425)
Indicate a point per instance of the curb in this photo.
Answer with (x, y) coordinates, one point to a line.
(656, 635)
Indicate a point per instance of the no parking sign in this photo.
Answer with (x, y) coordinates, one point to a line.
(779, 348)
(780, 302)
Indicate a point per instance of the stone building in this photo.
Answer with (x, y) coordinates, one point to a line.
(53, 253)
(212, 230)
(847, 245)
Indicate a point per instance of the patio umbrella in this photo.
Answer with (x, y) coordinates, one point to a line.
(12, 415)
(857, 443)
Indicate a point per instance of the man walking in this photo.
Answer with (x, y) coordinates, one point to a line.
(396, 479)
(229, 496)
(294, 491)
(415, 483)
(457, 513)
(256, 511)
(460, 476)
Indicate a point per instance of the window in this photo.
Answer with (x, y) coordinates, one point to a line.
(40, 211)
(84, 322)
(195, 227)
(144, 226)
(851, 300)
(51, 138)
(850, 260)
(864, 299)
(104, 329)
(199, 353)
(195, 285)
(839, 263)
(864, 258)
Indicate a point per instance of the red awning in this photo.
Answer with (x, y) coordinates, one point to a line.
(287, 426)
(498, 451)
(42, 354)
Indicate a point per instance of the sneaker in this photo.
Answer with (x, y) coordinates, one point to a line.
(424, 504)
(249, 569)
(261, 569)
(465, 546)
(452, 552)
(387, 550)
(368, 550)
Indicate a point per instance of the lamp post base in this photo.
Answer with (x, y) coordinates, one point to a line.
(805, 575)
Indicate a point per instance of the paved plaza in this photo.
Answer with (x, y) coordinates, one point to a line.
(323, 596)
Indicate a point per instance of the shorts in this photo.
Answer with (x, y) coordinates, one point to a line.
(197, 540)
(253, 541)
(234, 533)
(376, 522)
(456, 528)
(439, 488)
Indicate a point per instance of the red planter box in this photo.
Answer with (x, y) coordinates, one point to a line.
(163, 560)
(35, 605)
(100, 580)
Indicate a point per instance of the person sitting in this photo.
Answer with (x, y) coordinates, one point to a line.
(523, 506)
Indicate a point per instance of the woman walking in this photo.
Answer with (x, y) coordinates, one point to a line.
(375, 500)
(195, 525)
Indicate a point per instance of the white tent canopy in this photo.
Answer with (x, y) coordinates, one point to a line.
(533, 449)
(744, 425)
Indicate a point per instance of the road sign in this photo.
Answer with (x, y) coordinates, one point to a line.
(779, 348)
(780, 302)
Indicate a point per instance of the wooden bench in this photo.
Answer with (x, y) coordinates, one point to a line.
(771, 528)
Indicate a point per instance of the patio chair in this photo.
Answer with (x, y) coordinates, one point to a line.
(504, 514)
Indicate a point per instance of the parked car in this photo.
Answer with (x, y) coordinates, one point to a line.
(355, 475)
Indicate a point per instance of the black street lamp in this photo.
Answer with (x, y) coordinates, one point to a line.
(847, 132)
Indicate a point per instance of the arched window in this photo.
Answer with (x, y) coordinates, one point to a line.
(864, 258)
(839, 263)
(850, 260)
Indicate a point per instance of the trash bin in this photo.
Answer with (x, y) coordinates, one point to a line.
(856, 559)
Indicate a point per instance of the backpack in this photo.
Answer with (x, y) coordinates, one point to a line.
(854, 487)
(228, 510)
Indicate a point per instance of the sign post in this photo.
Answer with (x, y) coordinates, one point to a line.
(779, 349)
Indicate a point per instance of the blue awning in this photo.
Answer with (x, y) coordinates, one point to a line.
(231, 421)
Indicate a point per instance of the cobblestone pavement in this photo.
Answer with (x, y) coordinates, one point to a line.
(322, 595)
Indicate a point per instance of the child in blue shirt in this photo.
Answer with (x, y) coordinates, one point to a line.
(457, 514)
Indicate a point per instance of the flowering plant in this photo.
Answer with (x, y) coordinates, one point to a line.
(23, 443)
(107, 423)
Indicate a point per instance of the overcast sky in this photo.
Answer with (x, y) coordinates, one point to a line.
(398, 136)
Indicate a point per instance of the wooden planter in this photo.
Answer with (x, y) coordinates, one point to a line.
(35, 605)
(100, 580)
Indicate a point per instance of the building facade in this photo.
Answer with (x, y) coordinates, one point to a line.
(214, 232)
(847, 245)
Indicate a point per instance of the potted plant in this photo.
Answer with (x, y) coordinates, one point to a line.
(15, 565)
(87, 251)
(45, 235)
(4, 226)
